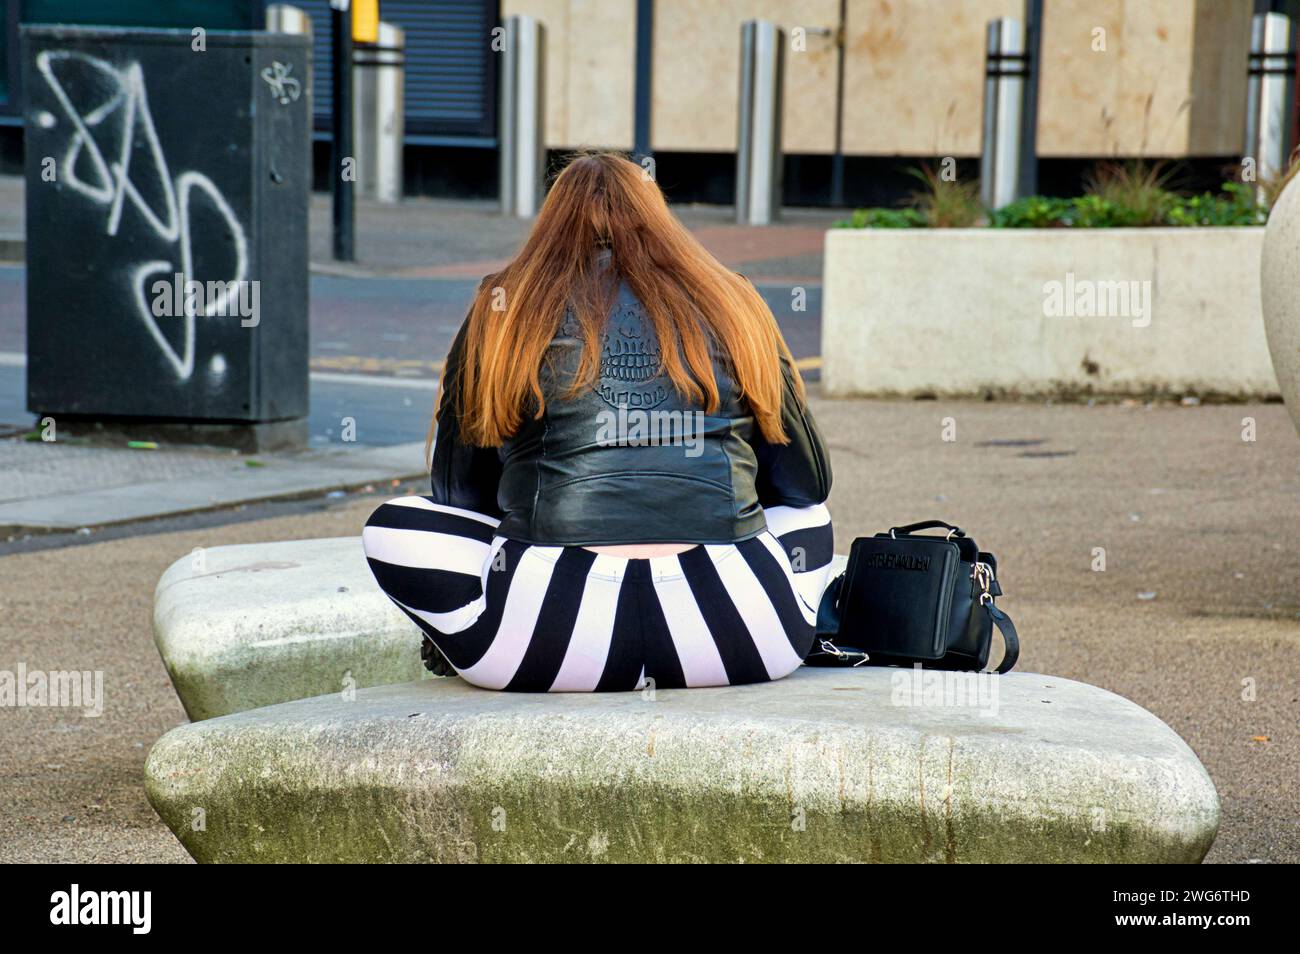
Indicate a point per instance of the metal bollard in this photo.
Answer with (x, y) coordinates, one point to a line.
(522, 116)
(1269, 90)
(379, 114)
(1006, 73)
(758, 138)
(286, 18)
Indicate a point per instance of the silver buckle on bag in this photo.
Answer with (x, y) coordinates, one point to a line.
(982, 574)
(832, 650)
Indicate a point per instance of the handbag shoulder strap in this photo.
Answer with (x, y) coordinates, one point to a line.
(904, 530)
(1009, 636)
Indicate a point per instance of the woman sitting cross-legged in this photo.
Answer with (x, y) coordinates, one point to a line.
(628, 487)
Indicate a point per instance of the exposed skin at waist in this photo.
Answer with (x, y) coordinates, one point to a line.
(643, 551)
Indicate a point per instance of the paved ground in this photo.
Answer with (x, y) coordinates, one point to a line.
(444, 238)
(44, 484)
(1200, 596)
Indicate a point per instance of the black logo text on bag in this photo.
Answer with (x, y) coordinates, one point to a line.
(898, 561)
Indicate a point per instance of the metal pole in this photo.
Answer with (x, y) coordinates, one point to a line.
(1269, 88)
(341, 186)
(837, 158)
(1004, 91)
(522, 117)
(286, 18)
(1033, 50)
(758, 136)
(378, 113)
(645, 27)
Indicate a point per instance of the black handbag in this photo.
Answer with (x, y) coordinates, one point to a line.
(908, 598)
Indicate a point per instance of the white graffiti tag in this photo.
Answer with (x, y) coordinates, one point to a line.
(285, 88)
(125, 100)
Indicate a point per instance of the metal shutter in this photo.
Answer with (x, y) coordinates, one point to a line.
(450, 67)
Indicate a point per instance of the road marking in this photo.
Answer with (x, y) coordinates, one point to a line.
(371, 365)
(375, 380)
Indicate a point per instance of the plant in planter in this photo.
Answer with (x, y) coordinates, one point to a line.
(1134, 194)
(878, 218)
(1034, 212)
(946, 203)
(1235, 206)
(1117, 195)
(940, 204)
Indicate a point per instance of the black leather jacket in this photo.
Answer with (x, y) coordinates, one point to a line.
(628, 461)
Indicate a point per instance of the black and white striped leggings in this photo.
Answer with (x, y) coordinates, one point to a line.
(521, 617)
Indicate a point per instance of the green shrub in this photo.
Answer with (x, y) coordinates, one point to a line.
(1237, 206)
(884, 219)
(1033, 212)
(1097, 212)
(1118, 195)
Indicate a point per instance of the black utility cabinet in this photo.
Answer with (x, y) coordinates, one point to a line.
(145, 158)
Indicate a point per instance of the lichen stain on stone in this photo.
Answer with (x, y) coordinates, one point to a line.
(949, 832)
(920, 785)
(839, 761)
(870, 807)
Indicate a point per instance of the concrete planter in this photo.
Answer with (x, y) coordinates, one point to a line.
(1280, 291)
(972, 312)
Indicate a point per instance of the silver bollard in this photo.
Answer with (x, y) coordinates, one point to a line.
(1269, 90)
(758, 138)
(1005, 75)
(522, 116)
(285, 18)
(379, 113)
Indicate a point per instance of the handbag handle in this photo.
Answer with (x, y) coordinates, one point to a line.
(1010, 638)
(953, 531)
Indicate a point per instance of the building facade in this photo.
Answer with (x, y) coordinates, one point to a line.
(1119, 78)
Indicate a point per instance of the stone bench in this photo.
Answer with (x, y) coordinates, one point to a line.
(826, 765)
(240, 627)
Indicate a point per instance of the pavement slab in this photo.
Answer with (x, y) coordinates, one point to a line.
(52, 487)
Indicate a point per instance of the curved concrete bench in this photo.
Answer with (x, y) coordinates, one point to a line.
(240, 627)
(826, 765)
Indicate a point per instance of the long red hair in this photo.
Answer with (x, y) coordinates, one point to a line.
(603, 200)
